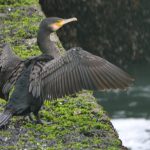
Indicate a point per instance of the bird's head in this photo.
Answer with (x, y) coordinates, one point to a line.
(54, 23)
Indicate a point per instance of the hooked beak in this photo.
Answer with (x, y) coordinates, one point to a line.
(55, 26)
(65, 21)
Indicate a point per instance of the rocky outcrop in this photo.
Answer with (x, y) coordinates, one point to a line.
(115, 29)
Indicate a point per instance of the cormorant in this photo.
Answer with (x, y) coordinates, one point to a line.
(8, 62)
(50, 76)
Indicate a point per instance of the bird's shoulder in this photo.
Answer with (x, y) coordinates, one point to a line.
(8, 59)
(83, 56)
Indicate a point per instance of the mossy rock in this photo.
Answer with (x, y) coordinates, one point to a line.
(72, 123)
(16, 2)
(114, 29)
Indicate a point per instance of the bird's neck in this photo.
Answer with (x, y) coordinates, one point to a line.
(47, 45)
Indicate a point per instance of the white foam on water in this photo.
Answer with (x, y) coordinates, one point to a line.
(134, 133)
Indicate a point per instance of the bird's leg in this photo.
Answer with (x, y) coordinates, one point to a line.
(38, 120)
(74, 95)
(30, 117)
(6, 96)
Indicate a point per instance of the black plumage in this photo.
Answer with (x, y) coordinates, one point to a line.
(78, 70)
(50, 76)
(8, 62)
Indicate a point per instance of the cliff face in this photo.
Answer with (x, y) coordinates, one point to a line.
(115, 29)
(73, 123)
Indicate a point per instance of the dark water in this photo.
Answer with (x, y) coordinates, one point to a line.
(130, 110)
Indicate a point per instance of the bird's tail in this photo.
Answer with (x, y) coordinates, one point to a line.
(5, 117)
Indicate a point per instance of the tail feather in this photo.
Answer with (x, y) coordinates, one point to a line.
(5, 117)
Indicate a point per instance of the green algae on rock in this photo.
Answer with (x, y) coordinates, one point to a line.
(73, 122)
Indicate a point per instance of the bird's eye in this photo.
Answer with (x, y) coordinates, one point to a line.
(58, 21)
(56, 25)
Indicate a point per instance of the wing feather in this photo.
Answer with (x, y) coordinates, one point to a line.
(13, 77)
(74, 71)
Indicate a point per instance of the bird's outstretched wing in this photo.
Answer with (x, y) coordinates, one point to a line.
(8, 62)
(74, 71)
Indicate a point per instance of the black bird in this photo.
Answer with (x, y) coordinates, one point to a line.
(8, 62)
(51, 76)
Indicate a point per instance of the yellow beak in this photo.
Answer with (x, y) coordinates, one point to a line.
(55, 26)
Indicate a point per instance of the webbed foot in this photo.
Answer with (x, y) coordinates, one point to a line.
(39, 121)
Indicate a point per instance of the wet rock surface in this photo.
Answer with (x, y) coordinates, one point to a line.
(115, 29)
